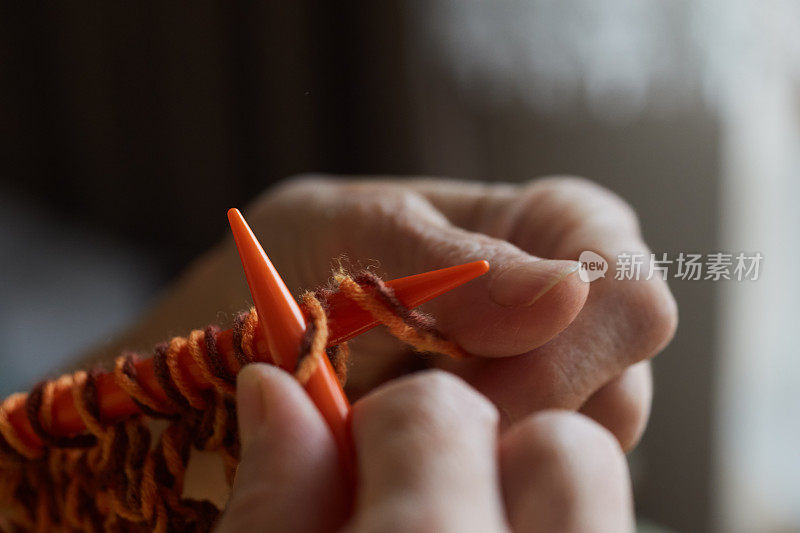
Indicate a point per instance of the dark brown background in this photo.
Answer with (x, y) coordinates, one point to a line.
(154, 118)
(138, 124)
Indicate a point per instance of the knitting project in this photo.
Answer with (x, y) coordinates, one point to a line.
(112, 477)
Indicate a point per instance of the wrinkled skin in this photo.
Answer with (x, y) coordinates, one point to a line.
(576, 346)
(542, 338)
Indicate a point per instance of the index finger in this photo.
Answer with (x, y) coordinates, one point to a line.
(427, 457)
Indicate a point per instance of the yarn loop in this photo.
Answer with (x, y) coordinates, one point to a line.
(112, 477)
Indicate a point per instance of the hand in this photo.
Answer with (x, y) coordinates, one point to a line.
(544, 338)
(429, 459)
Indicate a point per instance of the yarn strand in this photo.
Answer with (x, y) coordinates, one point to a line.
(112, 476)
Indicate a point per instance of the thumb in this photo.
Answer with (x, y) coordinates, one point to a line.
(520, 304)
(289, 478)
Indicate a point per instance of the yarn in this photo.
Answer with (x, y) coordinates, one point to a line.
(112, 477)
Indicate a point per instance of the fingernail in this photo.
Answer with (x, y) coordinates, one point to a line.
(522, 284)
(250, 403)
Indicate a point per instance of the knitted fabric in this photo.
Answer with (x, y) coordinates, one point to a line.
(117, 476)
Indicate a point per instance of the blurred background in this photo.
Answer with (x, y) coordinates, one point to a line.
(127, 129)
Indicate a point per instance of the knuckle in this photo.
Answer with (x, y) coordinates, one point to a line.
(398, 516)
(406, 212)
(607, 207)
(556, 437)
(300, 184)
(653, 315)
(586, 188)
(438, 388)
(565, 206)
(367, 213)
(380, 213)
(434, 400)
(361, 198)
(386, 197)
(572, 457)
(623, 406)
(631, 421)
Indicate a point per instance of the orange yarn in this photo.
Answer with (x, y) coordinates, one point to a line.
(409, 326)
(111, 477)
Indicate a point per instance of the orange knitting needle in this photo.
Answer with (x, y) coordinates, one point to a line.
(350, 320)
(283, 324)
(346, 320)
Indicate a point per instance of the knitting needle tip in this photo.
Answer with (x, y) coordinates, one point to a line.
(283, 325)
(280, 317)
(350, 320)
(418, 289)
